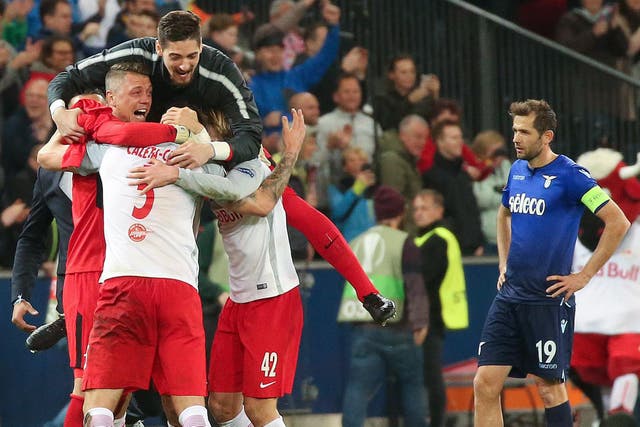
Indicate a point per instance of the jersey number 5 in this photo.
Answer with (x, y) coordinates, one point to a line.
(142, 212)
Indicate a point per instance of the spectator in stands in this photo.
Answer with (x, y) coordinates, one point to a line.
(56, 16)
(490, 147)
(627, 17)
(103, 12)
(352, 60)
(308, 103)
(13, 23)
(350, 200)
(222, 33)
(448, 109)
(119, 31)
(28, 127)
(16, 204)
(43, 59)
(346, 126)
(446, 289)
(449, 178)
(271, 80)
(405, 94)
(284, 17)
(592, 31)
(397, 167)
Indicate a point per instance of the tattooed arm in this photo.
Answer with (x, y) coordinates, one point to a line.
(262, 201)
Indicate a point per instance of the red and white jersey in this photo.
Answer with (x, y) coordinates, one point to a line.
(609, 304)
(147, 235)
(260, 264)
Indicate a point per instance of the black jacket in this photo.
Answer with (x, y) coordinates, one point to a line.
(49, 202)
(217, 84)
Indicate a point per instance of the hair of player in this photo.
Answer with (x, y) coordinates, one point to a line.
(116, 73)
(215, 121)
(177, 26)
(545, 117)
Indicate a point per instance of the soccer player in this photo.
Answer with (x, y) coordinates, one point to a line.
(529, 327)
(183, 72)
(255, 348)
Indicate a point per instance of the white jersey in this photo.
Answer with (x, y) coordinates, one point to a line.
(609, 303)
(147, 235)
(260, 264)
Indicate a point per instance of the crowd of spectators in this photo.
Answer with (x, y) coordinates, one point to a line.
(298, 58)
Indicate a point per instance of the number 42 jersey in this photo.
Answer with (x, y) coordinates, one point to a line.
(546, 205)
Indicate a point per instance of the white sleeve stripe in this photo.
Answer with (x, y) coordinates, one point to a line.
(220, 78)
(136, 51)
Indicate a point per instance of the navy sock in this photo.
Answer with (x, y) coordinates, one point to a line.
(559, 416)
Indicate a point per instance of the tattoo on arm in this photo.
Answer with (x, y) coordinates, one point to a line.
(273, 186)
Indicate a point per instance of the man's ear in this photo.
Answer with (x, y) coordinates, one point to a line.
(548, 136)
(158, 48)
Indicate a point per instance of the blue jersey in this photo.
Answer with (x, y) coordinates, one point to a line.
(546, 205)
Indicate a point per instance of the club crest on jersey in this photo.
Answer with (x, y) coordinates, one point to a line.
(137, 232)
(548, 179)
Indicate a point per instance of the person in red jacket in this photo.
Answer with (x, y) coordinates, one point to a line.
(448, 109)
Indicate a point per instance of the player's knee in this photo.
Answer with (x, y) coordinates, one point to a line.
(221, 409)
(484, 387)
(261, 411)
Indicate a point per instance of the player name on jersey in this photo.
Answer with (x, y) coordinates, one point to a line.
(152, 152)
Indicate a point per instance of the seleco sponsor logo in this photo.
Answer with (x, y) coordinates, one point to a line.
(520, 203)
(137, 232)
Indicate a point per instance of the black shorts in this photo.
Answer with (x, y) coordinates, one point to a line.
(531, 338)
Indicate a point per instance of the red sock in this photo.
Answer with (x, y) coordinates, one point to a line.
(75, 416)
(327, 240)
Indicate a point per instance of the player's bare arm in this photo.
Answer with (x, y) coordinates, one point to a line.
(51, 154)
(67, 122)
(615, 227)
(504, 241)
(262, 201)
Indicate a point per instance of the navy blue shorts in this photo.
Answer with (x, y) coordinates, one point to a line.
(531, 338)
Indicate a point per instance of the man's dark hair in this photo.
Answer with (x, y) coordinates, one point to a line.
(177, 26)
(545, 117)
(48, 7)
(397, 58)
(443, 104)
(438, 129)
(345, 76)
(49, 42)
(436, 196)
(117, 71)
(2, 7)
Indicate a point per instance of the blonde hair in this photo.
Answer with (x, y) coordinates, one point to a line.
(484, 140)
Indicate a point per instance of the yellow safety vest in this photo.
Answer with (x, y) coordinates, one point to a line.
(453, 292)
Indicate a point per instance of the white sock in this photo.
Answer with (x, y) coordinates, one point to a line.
(120, 422)
(624, 393)
(240, 420)
(278, 422)
(100, 417)
(194, 416)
